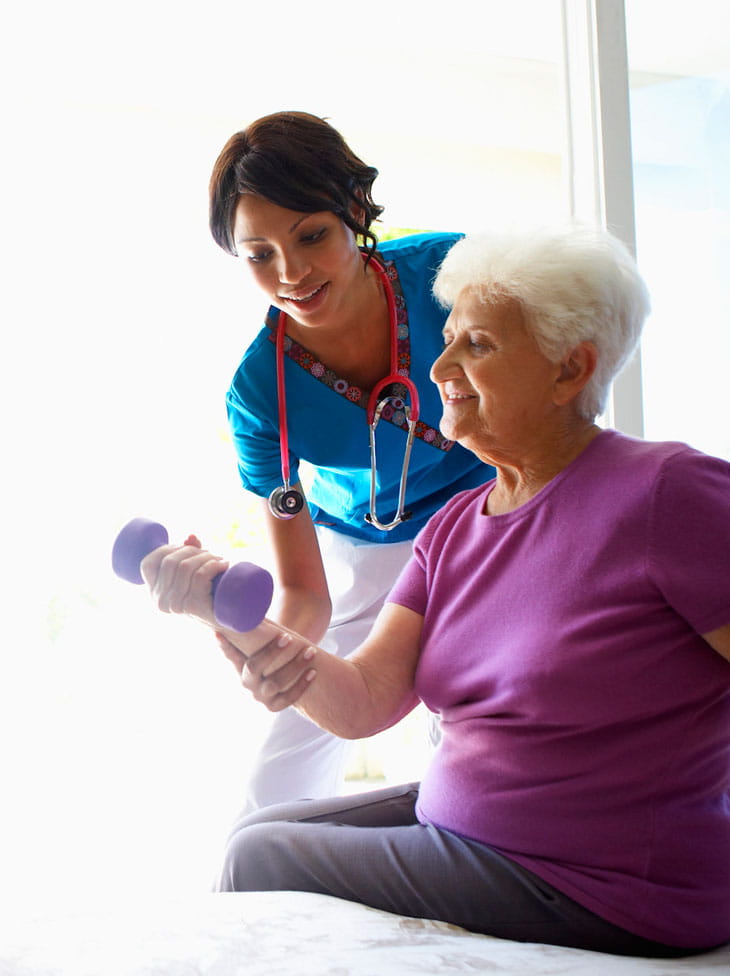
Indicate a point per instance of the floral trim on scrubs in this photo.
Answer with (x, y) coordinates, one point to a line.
(393, 412)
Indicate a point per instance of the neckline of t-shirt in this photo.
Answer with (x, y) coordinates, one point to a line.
(554, 484)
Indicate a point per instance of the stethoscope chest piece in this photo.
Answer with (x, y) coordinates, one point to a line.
(286, 502)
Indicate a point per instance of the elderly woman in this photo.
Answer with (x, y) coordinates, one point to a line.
(570, 624)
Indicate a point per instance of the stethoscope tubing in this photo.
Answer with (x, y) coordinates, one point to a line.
(285, 502)
(281, 400)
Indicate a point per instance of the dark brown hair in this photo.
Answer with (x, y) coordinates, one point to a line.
(297, 161)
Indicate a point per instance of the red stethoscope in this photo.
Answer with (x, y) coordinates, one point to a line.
(286, 502)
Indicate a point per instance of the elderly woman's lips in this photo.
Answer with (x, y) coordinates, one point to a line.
(457, 397)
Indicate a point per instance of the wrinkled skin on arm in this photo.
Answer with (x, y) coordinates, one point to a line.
(367, 692)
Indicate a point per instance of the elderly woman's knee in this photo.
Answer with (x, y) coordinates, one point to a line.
(257, 858)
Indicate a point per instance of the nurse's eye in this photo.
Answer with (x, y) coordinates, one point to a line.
(313, 236)
(258, 257)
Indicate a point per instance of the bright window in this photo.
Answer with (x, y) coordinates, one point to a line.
(680, 111)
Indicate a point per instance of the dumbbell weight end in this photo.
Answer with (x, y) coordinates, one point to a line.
(241, 594)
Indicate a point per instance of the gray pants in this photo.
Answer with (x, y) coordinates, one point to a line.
(371, 849)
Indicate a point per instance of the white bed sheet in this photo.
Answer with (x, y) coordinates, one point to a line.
(289, 933)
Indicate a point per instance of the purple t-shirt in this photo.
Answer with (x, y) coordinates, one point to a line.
(585, 723)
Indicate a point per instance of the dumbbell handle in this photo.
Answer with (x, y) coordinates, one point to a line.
(241, 594)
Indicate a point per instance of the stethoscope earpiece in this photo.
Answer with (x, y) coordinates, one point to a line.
(286, 502)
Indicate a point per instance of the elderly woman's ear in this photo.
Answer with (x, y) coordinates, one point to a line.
(576, 369)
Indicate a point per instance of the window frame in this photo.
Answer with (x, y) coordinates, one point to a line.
(599, 164)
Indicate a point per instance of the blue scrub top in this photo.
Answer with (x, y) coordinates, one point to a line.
(327, 418)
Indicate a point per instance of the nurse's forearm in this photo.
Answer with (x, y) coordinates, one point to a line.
(302, 611)
(302, 600)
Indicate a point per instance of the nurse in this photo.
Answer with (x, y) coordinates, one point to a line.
(292, 201)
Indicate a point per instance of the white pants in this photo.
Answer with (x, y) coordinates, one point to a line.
(297, 759)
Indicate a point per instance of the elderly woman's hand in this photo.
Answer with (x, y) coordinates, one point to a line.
(279, 673)
(180, 578)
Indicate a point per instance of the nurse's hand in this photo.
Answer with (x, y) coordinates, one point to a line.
(279, 673)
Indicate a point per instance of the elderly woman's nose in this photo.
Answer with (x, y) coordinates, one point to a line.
(445, 366)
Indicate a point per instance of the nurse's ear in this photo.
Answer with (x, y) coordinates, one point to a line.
(358, 214)
(576, 369)
(357, 210)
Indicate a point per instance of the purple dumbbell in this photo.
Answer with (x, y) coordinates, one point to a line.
(241, 594)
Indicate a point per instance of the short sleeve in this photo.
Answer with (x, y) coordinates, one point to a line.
(257, 449)
(252, 407)
(411, 588)
(689, 538)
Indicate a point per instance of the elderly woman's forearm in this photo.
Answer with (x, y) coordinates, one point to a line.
(372, 689)
(341, 701)
(354, 697)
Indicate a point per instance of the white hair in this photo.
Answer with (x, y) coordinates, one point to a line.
(573, 284)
